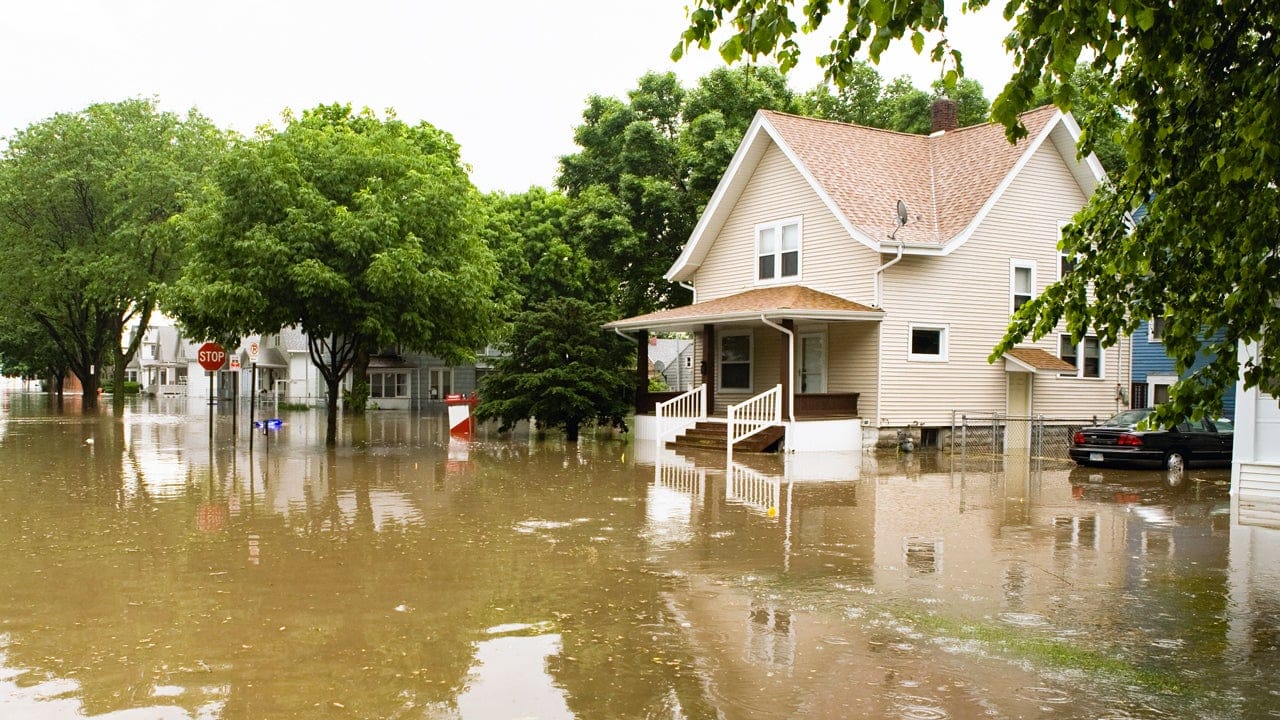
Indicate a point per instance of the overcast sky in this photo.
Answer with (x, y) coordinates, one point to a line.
(508, 78)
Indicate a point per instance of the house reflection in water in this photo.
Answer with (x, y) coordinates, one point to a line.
(786, 565)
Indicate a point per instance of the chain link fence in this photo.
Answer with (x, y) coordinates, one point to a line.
(997, 434)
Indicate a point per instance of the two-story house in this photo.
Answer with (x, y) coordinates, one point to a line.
(864, 276)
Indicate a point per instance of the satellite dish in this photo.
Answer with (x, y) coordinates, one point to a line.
(659, 366)
(902, 213)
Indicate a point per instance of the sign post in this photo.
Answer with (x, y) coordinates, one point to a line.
(253, 388)
(211, 356)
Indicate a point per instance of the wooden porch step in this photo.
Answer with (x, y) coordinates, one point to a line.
(712, 436)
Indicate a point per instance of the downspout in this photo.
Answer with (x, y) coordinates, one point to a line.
(692, 290)
(879, 283)
(879, 276)
(791, 364)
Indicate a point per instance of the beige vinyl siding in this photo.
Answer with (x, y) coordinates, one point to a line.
(852, 349)
(851, 362)
(830, 260)
(969, 292)
(766, 356)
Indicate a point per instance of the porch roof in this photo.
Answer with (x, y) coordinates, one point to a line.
(1035, 360)
(789, 302)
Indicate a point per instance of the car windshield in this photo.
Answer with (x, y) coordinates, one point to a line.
(1223, 425)
(1128, 418)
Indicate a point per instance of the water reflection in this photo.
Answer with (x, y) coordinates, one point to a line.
(152, 571)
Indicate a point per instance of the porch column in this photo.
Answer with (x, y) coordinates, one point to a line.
(709, 364)
(642, 372)
(786, 371)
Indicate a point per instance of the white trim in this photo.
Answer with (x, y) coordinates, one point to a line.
(1062, 256)
(944, 340)
(739, 316)
(751, 361)
(1151, 332)
(382, 383)
(1073, 131)
(1079, 363)
(777, 226)
(1016, 264)
(1153, 381)
(730, 187)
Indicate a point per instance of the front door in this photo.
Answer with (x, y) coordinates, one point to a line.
(1018, 428)
(440, 382)
(811, 370)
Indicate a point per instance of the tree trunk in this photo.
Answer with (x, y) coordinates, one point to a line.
(359, 395)
(117, 384)
(89, 382)
(331, 421)
(571, 431)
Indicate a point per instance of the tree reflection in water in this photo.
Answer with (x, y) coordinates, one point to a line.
(403, 576)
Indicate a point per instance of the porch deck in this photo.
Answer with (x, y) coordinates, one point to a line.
(809, 406)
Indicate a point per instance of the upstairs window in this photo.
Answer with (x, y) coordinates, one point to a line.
(778, 250)
(1155, 329)
(1022, 283)
(1066, 263)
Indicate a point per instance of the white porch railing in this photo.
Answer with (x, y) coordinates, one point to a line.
(751, 416)
(679, 413)
(755, 489)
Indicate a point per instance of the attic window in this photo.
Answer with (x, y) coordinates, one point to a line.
(778, 250)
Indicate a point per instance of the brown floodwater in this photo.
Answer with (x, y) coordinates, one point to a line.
(155, 567)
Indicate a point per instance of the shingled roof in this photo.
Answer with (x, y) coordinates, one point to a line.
(947, 180)
(775, 303)
(1037, 360)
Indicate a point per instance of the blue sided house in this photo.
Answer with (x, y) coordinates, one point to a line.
(1153, 370)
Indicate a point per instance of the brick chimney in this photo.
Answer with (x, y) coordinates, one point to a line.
(942, 115)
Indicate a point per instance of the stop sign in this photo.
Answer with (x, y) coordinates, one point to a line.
(211, 356)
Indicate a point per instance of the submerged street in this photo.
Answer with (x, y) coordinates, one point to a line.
(154, 567)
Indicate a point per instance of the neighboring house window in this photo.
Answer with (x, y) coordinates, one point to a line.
(388, 384)
(1155, 330)
(1158, 388)
(1137, 396)
(778, 250)
(735, 361)
(928, 343)
(1022, 283)
(1086, 356)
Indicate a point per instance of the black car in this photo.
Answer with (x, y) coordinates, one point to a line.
(1120, 443)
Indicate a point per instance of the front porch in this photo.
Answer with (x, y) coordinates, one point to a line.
(796, 361)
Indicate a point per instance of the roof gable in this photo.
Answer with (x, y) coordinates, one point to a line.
(949, 181)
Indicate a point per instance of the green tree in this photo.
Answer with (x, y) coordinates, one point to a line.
(85, 200)
(360, 231)
(529, 236)
(857, 101)
(27, 350)
(898, 105)
(1093, 103)
(1203, 147)
(561, 370)
(647, 167)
